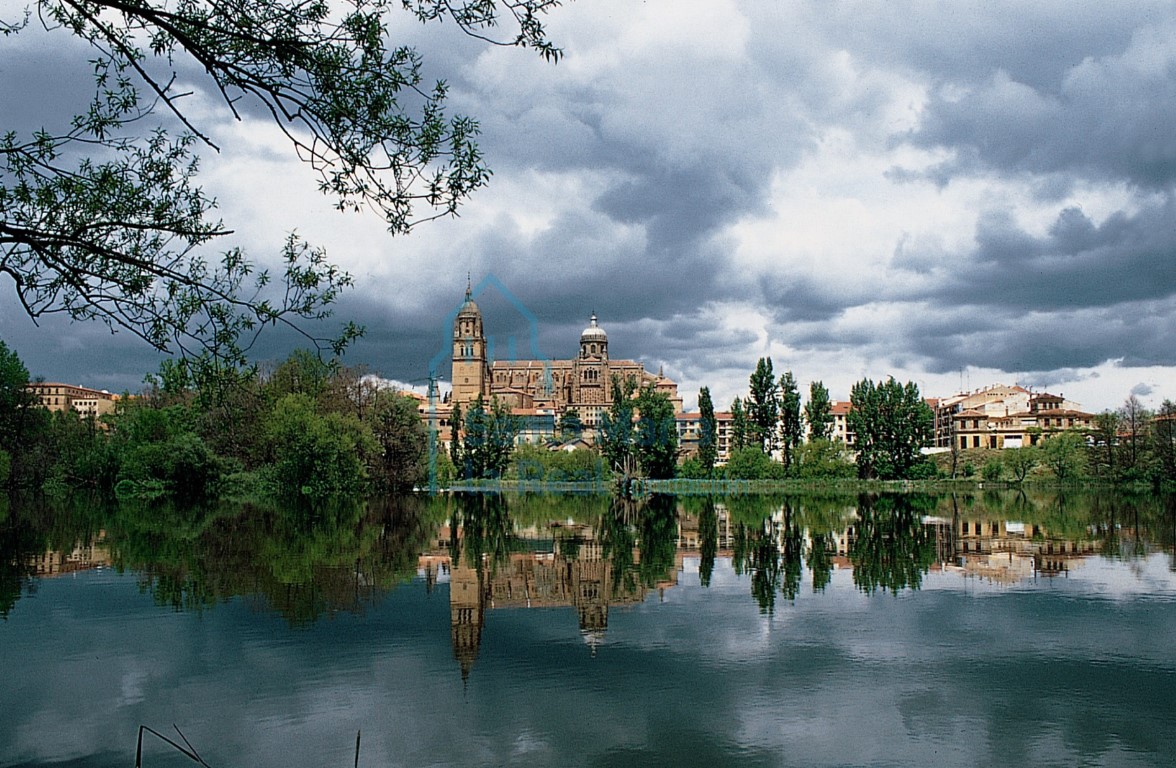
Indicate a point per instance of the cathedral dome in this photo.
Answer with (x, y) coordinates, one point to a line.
(593, 332)
(468, 307)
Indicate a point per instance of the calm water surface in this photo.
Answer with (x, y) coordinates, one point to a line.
(544, 631)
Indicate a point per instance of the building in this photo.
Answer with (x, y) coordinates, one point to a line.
(689, 426)
(56, 396)
(839, 410)
(1004, 417)
(544, 386)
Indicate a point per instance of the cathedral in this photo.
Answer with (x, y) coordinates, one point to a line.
(583, 382)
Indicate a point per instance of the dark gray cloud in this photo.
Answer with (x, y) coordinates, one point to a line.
(1107, 118)
(1128, 257)
(659, 143)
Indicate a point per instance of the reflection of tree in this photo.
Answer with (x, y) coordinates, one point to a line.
(486, 528)
(659, 534)
(304, 563)
(763, 561)
(820, 561)
(791, 555)
(29, 528)
(618, 539)
(892, 549)
(708, 532)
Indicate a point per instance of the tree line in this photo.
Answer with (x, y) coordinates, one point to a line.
(306, 428)
(769, 440)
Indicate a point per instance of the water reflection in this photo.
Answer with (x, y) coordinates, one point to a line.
(1023, 635)
(585, 553)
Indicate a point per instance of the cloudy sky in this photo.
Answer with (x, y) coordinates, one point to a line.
(952, 193)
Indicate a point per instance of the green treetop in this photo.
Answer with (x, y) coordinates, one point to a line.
(891, 423)
(818, 412)
(763, 405)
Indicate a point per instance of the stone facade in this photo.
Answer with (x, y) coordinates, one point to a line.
(552, 386)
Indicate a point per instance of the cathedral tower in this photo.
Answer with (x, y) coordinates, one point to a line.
(471, 370)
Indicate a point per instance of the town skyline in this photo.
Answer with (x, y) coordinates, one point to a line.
(956, 197)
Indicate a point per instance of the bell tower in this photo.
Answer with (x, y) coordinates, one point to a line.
(471, 370)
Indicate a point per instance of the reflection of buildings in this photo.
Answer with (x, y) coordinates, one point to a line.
(999, 551)
(571, 573)
(83, 557)
(1006, 552)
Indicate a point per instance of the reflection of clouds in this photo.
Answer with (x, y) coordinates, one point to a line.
(835, 678)
(1150, 576)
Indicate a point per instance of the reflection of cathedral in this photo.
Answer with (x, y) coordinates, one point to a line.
(583, 383)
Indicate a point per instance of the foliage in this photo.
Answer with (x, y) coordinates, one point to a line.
(739, 426)
(21, 421)
(818, 412)
(763, 406)
(103, 219)
(693, 469)
(535, 463)
(489, 439)
(399, 461)
(1064, 454)
(1136, 420)
(1163, 441)
(791, 426)
(751, 463)
(1020, 461)
(570, 427)
(656, 434)
(617, 432)
(823, 458)
(891, 422)
(456, 424)
(1105, 439)
(708, 432)
(316, 456)
(302, 373)
(923, 469)
(992, 469)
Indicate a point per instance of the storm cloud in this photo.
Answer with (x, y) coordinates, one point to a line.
(919, 190)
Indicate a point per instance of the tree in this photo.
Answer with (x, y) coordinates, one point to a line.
(656, 434)
(791, 426)
(19, 415)
(763, 405)
(751, 463)
(102, 218)
(399, 461)
(818, 412)
(1020, 461)
(1163, 440)
(616, 427)
(1106, 441)
(739, 426)
(891, 422)
(823, 458)
(1062, 452)
(1135, 419)
(708, 432)
(315, 455)
(489, 439)
(456, 423)
(570, 427)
